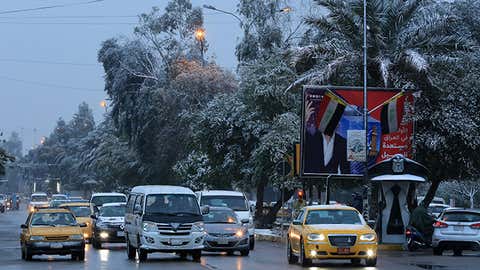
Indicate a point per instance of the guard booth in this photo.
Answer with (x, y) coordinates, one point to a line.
(395, 177)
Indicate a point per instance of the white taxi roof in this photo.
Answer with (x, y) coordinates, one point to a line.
(39, 194)
(221, 193)
(161, 189)
(114, 204)
(329, 207)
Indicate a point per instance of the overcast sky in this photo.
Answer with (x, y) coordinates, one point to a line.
(48, 57)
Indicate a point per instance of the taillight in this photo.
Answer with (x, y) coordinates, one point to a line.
(475, 226)
(408, 232)
(440, 224)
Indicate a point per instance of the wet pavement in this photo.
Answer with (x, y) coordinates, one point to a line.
(266, 256)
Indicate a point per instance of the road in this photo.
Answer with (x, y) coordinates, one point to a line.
(266, 256)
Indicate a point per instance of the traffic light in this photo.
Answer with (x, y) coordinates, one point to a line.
(300, 195)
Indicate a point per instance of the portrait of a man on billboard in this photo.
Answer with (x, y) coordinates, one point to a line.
(333, 126)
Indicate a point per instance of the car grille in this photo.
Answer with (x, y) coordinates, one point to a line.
(216, 244)
(342, 240)
(169, 229)
(221, 234)
(56, 238)
(170, 244)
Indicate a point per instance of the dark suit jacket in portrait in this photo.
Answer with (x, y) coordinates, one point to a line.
(314, 159)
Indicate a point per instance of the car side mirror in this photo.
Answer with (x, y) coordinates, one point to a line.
(24, 226)
(245, 221)
(93, 216)
(297, 222)
(205, 210)
(82, 225)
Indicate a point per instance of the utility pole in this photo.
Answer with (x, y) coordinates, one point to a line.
(365, 105)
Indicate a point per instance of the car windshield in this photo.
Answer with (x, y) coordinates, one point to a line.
(80, 211)
(112, 211)
(39, 198)
(220, 216)
(333, 217)
(57, 203)
(100, 200)
(236, 203)
(458, 216)
(174, 204)
(59, 197)
(53, 219)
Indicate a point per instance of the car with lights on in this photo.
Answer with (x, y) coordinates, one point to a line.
(99, 199)
(235, 200)
(52, 231)
(38, 200)
(83, 213)
(456, 229)
(108, 225)
(225, 231)
(164, 219)
(331, 232)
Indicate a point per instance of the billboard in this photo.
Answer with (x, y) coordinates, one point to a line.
(332, 129)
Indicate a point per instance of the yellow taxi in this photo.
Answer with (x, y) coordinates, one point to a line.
(83, 213)
(52, 231)
(331, 232)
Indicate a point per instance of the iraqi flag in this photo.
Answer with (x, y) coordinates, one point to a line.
(392, 114)
(329, 113)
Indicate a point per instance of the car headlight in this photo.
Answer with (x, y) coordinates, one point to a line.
(37, 238)
(198, 227)
(316, 237)
(149, 226)
(76, 237)
(240, 233)
(367, 237)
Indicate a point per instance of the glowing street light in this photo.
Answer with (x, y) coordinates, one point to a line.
(103, 104)
(200, 37)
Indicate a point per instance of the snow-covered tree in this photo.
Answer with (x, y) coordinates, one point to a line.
(13, 145)
(467, 189)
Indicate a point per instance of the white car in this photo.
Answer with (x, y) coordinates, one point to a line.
(38, 200)
(237, 201)
(99, 199)
(456, 229)
(435, 209)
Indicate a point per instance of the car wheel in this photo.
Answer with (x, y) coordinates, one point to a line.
(355, 262)
(183, 255)
(457, 252)
(197, 255)
(245, 252)
(371, 262)
(290, 256)
(252, 243)
(74, 256)
(28, 255)
(437, 251)
(303, 260)
(131, 251)
(411, 246)
(142, 254)
(81, 255)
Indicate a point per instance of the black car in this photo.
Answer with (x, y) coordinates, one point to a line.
(109, 224)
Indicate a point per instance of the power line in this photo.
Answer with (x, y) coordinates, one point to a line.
(50, 7)
(50, 85)
(12, 60)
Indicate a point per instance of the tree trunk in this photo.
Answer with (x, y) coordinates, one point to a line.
(471, 201)
(259, 203)
(431, 192)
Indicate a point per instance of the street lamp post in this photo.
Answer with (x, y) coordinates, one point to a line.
(200, 37)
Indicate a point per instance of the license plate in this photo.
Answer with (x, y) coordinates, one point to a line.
(120, 234)
(56, 245)
(222, 241)
(176, 242)
(458, 228)
(343, 250)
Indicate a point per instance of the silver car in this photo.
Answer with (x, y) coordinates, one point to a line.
(225, 232)
(456, 229)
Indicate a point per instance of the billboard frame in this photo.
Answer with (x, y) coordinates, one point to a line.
(304, 175)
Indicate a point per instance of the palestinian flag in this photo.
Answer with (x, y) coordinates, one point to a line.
(392, 114)
(329, 113)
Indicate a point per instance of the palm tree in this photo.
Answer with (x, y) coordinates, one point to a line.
(401, 36)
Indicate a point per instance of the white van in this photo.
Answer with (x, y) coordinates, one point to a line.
(163, 219)
(38, 200)
(237, 201)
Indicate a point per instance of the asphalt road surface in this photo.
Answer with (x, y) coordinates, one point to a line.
(266, 256)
